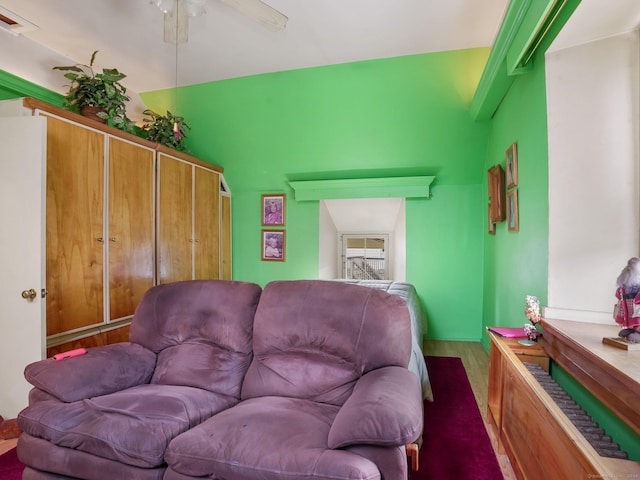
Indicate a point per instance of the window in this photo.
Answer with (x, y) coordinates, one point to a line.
(364, 257)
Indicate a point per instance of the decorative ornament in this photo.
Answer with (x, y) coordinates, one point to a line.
(532, 309)
(532, 312)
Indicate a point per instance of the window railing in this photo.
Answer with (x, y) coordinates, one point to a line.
(361, 268)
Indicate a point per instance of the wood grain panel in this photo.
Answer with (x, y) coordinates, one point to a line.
(74, 219)
(226, 237)
(537, 443)
(206, 224)
(116, 335)
(131, 229)
(175, 207)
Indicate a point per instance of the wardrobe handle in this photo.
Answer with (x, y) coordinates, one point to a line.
(100, 239)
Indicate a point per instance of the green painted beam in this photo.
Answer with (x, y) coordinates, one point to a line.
(494, 81)
(23, 88)
(522, 22)
(392, 187)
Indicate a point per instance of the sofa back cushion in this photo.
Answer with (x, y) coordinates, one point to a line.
(201, 331)
(314, 339)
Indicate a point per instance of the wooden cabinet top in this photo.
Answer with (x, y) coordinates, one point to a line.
(35, 104)
(610, 373)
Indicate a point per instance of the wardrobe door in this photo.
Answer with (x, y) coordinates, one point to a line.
(225, 250)
(206, 224)
(74, 226)
(175, 219)
(131, 226)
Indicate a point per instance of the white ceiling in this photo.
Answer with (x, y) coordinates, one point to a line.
(225, 44)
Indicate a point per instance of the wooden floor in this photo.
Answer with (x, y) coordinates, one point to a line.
(6, 445)
(476, 363)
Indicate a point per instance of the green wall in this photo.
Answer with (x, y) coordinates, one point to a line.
(392, 117)
(516, 262)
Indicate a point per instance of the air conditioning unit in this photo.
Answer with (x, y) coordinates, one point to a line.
(15, 24)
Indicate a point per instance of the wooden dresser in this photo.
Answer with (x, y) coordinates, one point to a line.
(540, 440)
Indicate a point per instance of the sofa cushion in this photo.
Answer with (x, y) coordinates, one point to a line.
(204, 366)
(69, 464)
(133, 426)
(313, 339)
(195, 327)
(101, 371)
(267, 438)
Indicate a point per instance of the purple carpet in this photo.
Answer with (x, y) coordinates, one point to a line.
(455, 442)
(455, 446)
(10, 467)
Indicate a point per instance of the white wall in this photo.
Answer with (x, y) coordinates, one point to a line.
(327, 246)
(593, 123)
(398, 240)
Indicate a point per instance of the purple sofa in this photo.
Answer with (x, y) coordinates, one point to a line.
(313, 384)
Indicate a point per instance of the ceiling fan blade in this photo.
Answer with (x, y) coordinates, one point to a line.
(176, 26)
(259, 12)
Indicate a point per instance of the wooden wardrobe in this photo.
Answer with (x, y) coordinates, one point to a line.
(122, 214)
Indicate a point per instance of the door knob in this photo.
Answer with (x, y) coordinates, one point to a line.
(29, 294)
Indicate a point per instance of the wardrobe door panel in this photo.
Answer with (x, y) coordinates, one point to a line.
(74, 219)
(206, 224)
(175, 217)
(226, 237)
(131, 227)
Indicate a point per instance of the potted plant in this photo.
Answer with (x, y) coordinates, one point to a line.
(97, 94)
(168, 130)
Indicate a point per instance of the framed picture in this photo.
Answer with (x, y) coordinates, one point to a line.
(512, 211)
(273, 207)
(491, 226)
(495, 178)
(273, 245)
(512, 165)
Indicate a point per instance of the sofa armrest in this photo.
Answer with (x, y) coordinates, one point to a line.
(101, 371)
(384, 409)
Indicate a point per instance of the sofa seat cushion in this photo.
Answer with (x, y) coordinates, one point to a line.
(267, 438)
(48, 461)
(133, 426)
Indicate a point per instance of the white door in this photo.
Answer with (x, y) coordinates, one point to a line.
(22, 236)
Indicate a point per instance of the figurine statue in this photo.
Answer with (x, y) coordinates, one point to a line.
(627, 312)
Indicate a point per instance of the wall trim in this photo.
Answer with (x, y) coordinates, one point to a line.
(605, 318)
(24, 88)
(391, 187)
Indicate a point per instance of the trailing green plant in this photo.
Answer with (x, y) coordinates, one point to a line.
(168, 130)
(119, 120)
(101, 90)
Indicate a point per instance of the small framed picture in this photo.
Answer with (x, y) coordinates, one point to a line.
(273, 245)
(512, 211)
(491, 226)
(495, 176)
(512, 165)
(273, 209)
